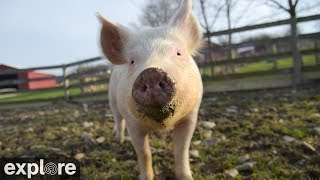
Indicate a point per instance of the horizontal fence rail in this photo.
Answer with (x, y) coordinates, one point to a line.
(265, 25)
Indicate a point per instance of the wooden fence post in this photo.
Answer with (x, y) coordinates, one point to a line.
(295, 52)
(317, 46)
(274, 60)
(65, 83)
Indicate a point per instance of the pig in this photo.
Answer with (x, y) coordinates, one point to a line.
(155, 84)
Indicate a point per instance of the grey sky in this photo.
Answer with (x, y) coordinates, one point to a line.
(43, 32)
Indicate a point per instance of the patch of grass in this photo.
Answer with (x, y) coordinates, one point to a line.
(285, 63)
(41, 95)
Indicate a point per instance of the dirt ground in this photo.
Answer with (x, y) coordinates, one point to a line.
(266, 134)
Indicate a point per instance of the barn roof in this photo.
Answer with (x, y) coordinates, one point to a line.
(3, 66)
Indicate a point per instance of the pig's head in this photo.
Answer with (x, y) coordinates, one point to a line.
(162, 80)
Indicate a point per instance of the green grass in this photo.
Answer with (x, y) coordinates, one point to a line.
(40, 95)
(285, 63)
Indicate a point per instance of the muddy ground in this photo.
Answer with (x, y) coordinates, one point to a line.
(269, 134)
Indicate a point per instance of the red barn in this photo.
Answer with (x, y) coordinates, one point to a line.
(26, 75)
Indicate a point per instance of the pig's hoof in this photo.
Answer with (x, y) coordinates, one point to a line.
(153, 88)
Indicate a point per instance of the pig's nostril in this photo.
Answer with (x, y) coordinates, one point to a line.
(144, 88)
(161, 85)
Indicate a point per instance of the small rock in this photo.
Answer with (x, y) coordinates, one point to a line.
(108, 115)
(232, 109)
(0, 143)
(275, 152)
(281, 121)
(127, 138)
(65, 129)
(213, 99)
(301, 162)
(289, 138)
(55, 149)
(76, 114)
(85, 107)
(308, 146)
(202, 112)
(194, 153)
(87, 140)
(255, 110)
(153, 150)
(315, 115)
(246, 166)
(79, 156)
(207, 133)
(211, 141)
(29, 130)
(207, 124)
(244, 158)
(232, 172)
(114, 160)
(317, 130)
(100, 139)
(160, 150)
(41, 113)
(87, 124)
(196, 143)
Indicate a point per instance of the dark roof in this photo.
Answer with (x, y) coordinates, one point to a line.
(3, 66)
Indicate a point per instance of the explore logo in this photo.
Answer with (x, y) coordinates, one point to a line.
(28, 168)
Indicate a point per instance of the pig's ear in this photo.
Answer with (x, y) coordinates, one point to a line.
(186, 24)
(111, 40)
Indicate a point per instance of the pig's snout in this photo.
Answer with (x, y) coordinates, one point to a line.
(153, 88)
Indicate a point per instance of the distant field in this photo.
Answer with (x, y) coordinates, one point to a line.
(266, 65)
(42, 95)
(50, 94)
(280, 64)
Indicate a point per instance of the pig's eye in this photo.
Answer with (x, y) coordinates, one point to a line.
(178, 53)
(132, 62)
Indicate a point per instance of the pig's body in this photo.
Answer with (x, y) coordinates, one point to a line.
(155, 85)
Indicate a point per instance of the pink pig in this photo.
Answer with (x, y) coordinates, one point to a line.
(155, 84)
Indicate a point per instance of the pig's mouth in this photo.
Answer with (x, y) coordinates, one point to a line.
(158, 114)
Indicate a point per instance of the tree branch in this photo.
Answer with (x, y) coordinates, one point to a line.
(215, 17)
(243, 12)
(296, 3)
(278, 5)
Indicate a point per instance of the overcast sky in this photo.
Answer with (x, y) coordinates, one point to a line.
(43, 32)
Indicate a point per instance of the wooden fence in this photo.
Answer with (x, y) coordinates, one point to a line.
(72, 81)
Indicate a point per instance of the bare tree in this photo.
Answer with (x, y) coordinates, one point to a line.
(292, 7)
(222, 9)
(204, 6)
(158, 12)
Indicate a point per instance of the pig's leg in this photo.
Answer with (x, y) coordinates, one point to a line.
(119, 127)
(140, 140)
(119, 123)
(182, 135)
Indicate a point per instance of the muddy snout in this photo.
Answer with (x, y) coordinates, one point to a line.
(153, 88)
